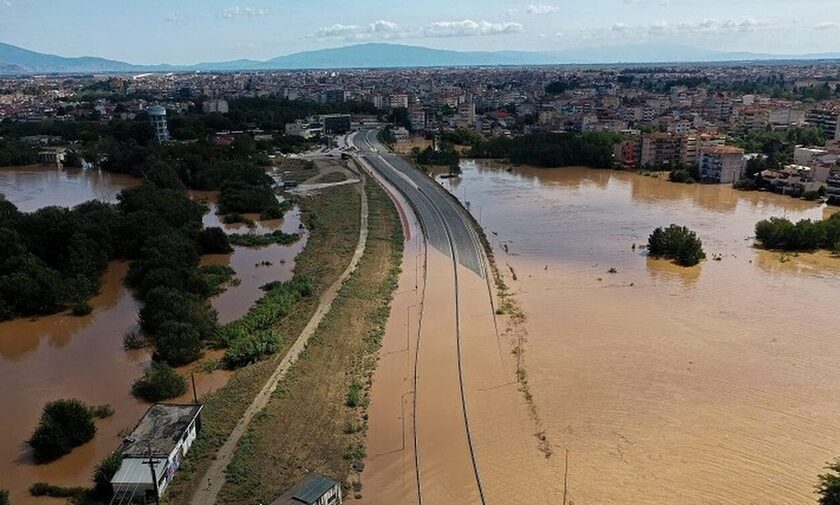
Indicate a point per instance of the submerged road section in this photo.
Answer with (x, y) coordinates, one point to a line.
(448, 422)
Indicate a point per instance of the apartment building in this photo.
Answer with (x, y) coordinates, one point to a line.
(660, 150)
(828, 120)
(720, 164)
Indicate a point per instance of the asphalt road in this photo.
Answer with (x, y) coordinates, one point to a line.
(440, 217)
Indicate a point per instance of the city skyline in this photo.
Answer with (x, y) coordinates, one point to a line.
(218, 30)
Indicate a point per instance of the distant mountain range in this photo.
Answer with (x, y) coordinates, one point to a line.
(16, 60)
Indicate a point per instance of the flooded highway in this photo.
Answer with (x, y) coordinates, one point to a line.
(709, 385)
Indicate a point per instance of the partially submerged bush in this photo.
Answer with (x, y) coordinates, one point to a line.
(64, 424)
(677, 243)
(159, 382)
(251, 347)
(805, 235)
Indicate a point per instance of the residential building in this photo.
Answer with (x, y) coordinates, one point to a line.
(220, 106)
(314, 490)
(828, 120)
(660, 150)
(156, 447)
(398, 101)
(832, 188)
(720, 164)
(334, 124)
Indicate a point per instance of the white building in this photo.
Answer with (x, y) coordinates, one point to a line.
(220, 106)
(720, 164)
(305, 129)
(157, 445)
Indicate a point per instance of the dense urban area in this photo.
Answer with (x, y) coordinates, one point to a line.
(293, 413)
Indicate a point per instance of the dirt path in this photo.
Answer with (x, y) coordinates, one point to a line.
(211, 482)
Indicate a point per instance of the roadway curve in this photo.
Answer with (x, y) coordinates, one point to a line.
(446, 467)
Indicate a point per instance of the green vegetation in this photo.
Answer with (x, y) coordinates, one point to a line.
(64, 425)
(805, 235)
(102, 411)
(4, 497)
(99, 494)
(335, 216)
(254, 240)
(214, 240)
(561, 86)
(776, 145)
(445, 156)
(463, 137)
(318, 414)
(216, 277)
(829, 484)
(250, 338)
(681, 175)
(15, 152)
(677, 243)
(594, 149)
(159, 382)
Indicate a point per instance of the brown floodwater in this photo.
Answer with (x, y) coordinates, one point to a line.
(33, 187)
(714, 384)
(62, 356)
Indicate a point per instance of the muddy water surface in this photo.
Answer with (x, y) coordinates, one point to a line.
(713, 385)
(63, 356)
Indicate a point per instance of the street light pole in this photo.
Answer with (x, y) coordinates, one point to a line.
(154, 476)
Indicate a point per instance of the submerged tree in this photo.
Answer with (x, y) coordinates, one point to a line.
(677, 243)
(829, 486)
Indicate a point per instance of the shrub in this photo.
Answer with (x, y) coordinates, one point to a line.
(354, 394)
(4, 497)
(64, 424)
(683, 176)
(103, 473)
(251, 347)
(82, 309)
(133, 340)
(254, 240)
(159, 382)
(102, 411)
(805, 235)
(214, 241)
(677, 243)
(44, 489)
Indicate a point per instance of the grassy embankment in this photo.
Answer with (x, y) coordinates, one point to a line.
(333, 220)
(316, 420)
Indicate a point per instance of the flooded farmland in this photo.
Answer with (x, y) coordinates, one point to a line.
(62, 356)
(715, 384)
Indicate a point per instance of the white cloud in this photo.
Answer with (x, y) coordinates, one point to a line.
(469, 28)
(380, 30)
(708, 26)
(541, 9)
(237, 11)
(828, 26)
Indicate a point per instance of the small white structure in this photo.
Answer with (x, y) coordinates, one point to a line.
(305, 129)
(220, 106)
(160, 441)
(314, 490)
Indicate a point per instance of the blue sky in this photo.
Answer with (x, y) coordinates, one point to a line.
(189, 31)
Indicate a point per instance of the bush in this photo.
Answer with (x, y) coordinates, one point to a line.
(214, 241)
(682, 176)
(159, 382)
(254, 240)
(64, 424)
(44, 489)
(805, 235)
(677, 243)
(133, 340)
(82, 309)
(103, 473)
(4, 497)
(102, 411)
(251, 348)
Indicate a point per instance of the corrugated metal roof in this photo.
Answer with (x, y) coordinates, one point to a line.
(313, 488)
(136, 471)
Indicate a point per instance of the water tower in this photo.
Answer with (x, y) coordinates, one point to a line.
(157, 115)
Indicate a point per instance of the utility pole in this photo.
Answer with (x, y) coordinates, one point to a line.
(154, 475)
(195, 396)
(566, 477)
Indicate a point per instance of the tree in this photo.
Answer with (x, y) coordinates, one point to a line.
(64, 424)
(829, 486)
(677, 243)
(159, 382)
(214, 240)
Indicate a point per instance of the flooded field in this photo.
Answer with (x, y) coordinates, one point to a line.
(713, 385)
(62, 356)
